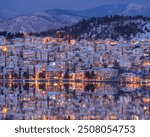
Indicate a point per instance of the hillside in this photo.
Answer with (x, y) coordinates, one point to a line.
(37, 23)
(114, 27)
(40, 21)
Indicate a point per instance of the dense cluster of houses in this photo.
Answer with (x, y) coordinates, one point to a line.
(50, 58)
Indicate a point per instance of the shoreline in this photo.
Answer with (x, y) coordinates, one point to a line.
(56, 80)
(67, 81)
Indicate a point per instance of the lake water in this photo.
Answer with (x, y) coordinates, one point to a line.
(63, 101)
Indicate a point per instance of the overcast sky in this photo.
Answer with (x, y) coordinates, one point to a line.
(38, 5)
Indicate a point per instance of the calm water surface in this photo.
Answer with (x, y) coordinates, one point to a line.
(60, 101)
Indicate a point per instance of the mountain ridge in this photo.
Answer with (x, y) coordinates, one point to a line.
(37, 23)
(59, 18)
(113, 27)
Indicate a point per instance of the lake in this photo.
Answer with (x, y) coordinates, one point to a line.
(74, 101)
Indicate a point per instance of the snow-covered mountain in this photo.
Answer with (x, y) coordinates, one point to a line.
(58, 18)
(115, 27)
(38, 22)
(119, 9)
(104, 10)
(28, 24)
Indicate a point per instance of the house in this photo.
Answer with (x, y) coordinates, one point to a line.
(52, 73)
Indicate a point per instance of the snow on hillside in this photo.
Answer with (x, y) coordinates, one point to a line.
(146, 30)
(37, 24)
(115, 27)
(28, 24)
(111, 31)
(58, 18)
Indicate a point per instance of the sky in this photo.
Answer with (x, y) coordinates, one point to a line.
(28, 6)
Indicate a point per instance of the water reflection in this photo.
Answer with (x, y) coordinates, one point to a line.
(42, 101)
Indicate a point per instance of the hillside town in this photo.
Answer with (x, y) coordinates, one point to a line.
(46, 59)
